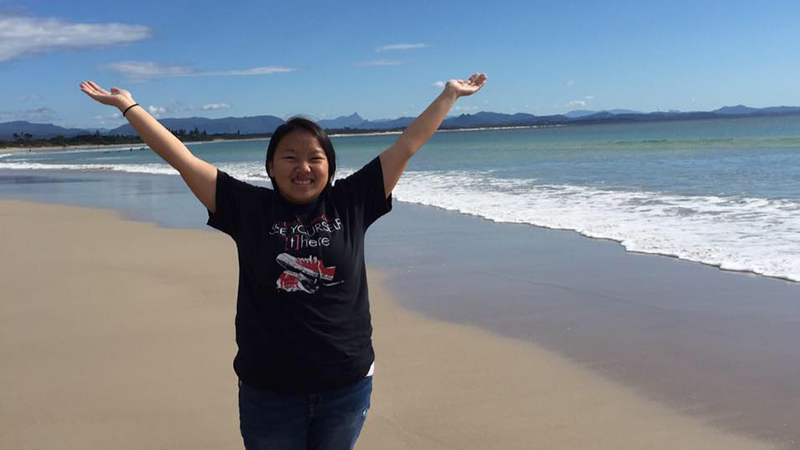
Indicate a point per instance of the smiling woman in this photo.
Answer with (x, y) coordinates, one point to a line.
(303, 324)
(301, 161)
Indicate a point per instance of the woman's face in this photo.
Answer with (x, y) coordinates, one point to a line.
(299, 167)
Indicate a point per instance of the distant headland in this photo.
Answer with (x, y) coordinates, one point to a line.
(21, 134)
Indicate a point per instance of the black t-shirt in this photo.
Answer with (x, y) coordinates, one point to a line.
(302, 313)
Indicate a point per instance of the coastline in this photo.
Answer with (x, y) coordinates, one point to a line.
(637, 117)
(7, 150)
(684, 334)
(702, 340)
(163, 328)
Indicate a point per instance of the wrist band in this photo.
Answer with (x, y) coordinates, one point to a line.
(129, 107)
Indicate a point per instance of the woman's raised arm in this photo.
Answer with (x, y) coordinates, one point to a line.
(395, 158)
(200, 176)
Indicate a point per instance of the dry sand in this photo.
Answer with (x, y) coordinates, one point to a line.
(118, 334)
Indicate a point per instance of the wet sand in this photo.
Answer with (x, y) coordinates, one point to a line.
(119, 334)
(712, 344)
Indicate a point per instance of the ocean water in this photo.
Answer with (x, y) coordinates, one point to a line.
(724, 192)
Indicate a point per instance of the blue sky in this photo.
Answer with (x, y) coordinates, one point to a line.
(327, 58)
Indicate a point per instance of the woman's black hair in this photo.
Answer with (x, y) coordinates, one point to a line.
(301, 123)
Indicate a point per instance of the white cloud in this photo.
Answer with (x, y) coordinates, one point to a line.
(115, 115)
(113, 119)
(141, 71)
(27, 36)
(380, 62)
(570, 83)
(174, 106)
(576, 103)
(29, 98)
(214, 106)
(269, 70)
(589, 97)
(177, 105)
(465, 108)
(156, 111)
(146, 70)
(439, 84)
(43, 114)
(385, 48)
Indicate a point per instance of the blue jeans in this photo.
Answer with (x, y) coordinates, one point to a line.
(330, 420)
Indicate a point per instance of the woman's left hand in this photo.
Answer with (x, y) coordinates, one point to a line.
(463, 88)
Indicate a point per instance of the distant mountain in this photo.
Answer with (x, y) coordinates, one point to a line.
(351, 121)
(583, 112)
(624, 111)
(400, 122)
(742, 110)
(39, 130)
(579, 113)
(490, 119)
(267, 124)
(780, 110)
(229, 125)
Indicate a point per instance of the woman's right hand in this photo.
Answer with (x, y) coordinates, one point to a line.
(119, 98)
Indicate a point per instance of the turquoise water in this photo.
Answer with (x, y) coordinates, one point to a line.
(724, 192)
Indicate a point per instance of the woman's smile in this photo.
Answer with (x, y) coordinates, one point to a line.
(300, 167)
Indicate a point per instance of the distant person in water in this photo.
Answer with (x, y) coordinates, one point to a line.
(305, 360)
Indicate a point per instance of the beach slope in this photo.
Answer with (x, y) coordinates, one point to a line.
(119, 334)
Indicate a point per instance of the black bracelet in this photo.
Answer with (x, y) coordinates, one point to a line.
(129, 107)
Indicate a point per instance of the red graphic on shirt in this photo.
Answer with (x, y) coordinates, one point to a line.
(292, 283)
(303, 274)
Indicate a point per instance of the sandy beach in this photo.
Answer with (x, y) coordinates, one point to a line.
(119, 334)
(4, 150)
(136, 146)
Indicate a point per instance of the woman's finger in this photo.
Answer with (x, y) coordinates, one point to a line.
(99, 89)
(86, 87)
(479, 80)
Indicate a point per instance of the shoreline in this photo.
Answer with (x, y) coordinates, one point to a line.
(9, 150)
(687, 335)
(73, 340)
(543, 227)
(137, 146)
(12, 150)
(664, 117)
(615, 241)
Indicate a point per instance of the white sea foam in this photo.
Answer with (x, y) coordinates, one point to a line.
(743, 234)
(246, 171)
(734, 233)
(152, 168)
